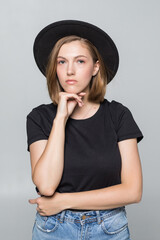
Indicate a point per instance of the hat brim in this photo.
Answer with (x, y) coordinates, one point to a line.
(49, 35)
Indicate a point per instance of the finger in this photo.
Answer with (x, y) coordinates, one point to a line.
(32, 201)
(40, 211)
(82, 93)
(42, 214)
(80, 103)
(74, 96)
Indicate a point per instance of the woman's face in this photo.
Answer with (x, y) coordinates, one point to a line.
(74, 62)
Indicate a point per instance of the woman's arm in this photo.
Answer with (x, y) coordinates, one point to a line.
(47, 156)
(47, 159)
(129, 191)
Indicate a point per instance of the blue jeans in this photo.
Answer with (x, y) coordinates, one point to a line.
(82, 225)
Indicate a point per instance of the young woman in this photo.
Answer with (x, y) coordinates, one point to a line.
(83, 148)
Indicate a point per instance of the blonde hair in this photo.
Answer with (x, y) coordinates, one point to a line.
(98, 83)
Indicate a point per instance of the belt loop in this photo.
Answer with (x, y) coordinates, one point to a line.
(62, 216)
(98, 216)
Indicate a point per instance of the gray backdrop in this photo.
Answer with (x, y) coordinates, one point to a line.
(134, 27)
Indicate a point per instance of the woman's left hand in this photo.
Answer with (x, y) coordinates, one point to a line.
(47, 206)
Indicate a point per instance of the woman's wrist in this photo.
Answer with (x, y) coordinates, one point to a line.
(67, 203)
(60, 119)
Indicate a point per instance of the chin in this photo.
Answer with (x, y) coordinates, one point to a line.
(72, 91)
(75, 90)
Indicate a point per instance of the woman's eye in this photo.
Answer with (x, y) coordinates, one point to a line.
(61, 62)
(80, 61)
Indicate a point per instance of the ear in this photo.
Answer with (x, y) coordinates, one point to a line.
(96, 68)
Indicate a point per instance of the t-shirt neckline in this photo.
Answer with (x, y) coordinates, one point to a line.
(89, 118)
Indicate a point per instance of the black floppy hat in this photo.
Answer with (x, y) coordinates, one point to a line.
(48, 36)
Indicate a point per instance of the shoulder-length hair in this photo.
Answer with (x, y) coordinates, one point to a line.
(98, 82)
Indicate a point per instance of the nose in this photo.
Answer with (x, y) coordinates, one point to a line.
(70, 69)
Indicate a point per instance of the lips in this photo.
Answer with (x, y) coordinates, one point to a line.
(71, 81)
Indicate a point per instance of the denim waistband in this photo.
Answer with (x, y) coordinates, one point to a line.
(87, 216)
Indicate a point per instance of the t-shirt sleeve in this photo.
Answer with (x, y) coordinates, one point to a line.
(126, 126)
(34, 129)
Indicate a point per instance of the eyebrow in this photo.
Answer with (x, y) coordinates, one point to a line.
(74, 57)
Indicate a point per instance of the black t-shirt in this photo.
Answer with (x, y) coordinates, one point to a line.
(91, 154)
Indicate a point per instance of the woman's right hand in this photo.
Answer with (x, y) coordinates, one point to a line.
(67, 103)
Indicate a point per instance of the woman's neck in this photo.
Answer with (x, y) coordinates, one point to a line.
(87, 110)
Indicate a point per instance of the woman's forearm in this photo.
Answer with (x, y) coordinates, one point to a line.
(105, 198)
(49, 168)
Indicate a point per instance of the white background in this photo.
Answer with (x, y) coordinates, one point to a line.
(134, 26)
